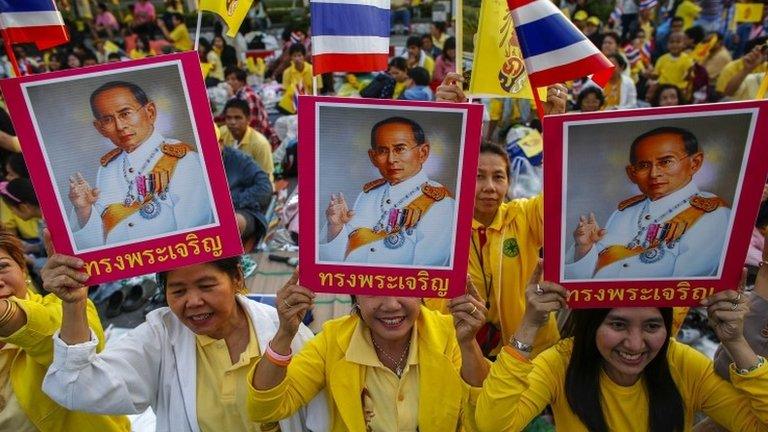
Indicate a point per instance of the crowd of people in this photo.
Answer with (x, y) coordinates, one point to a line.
(507, 355)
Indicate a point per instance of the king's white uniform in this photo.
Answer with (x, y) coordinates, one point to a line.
(697, 252)
(428, 244)
(186, 205)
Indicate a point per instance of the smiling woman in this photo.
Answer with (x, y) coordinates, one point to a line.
(188, 361)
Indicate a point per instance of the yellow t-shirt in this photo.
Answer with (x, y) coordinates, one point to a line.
(389, 403)
(26, 229)
(516, 391)
(292, 77)
(136, 54)
(688, 11)
(217, 70)
(12, 417)
(222, 387)
(254, 144)
(749, 87)
(509, 257)
(180, 38)
(674, 70)
(730, 70)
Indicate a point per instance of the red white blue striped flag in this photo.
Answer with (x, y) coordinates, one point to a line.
(32, 21)
(349, 35)
(553, 48)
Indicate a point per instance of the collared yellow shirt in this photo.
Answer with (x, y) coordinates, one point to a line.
(12, 417)
(390, 404)
(222, 387)
(255, 145)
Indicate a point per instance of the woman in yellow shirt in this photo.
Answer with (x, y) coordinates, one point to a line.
(390, 365)
(188, 361)
(622, 371)
(27, 324)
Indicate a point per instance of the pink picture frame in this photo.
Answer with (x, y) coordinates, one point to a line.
(639, 213)
(394, 244)
(180, 210)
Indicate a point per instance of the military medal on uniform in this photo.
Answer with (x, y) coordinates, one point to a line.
(148, 187)
(397, 222)
(659, 236)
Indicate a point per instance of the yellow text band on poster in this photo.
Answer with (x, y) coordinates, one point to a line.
(498, 61)
(748, 12)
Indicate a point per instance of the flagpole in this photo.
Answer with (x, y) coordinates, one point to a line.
(12, 57)
(199, 26)
(458, 20)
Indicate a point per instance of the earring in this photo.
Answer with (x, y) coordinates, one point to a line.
(355, 309)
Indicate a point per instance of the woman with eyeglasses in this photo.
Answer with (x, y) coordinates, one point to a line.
(27, 324)
(392, 364)
(188, 361)
(620, 370)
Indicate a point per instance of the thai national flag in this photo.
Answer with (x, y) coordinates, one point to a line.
(646, 50)
(349, 35)
(632, 54)
(648, 4)
(616, 14)
(553, 48)
(32, 21)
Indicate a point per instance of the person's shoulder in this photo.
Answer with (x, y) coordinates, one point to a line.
(707, 202)
(176, 149)
(110, 156)
(436, 191)
(630, 202)
(373, 184)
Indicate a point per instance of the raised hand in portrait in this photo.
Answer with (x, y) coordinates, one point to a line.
(586, 234)
(338, 214)
(82, 196)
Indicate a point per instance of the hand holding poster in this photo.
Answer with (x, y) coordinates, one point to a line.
(390, 199)
(126, 165)
(658, 219)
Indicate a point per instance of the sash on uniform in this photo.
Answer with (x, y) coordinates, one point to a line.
(415, 209)
(115, 213)
(678, 226)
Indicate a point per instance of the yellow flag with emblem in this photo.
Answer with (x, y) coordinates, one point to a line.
(748, 12)
(498, 68)
(233, 12)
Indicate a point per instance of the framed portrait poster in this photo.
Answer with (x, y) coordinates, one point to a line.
(387, 195)
(652, 207)
(125, 163)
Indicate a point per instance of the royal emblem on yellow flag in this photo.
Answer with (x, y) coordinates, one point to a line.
(702, 50)
(748, 12)
(498, 68)
(233, 12)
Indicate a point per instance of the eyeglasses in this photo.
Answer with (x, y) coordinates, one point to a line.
(665, 165)
(383, 152)
(125, 115)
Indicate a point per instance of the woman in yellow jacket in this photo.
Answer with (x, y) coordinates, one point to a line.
(390, 365)
(622, 371)
(27, 323)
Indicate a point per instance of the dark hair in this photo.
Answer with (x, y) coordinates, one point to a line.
(497, 150)
(136, 91)
(240, 74)
(613, 35)
(20, 191)
(440, 25)
(588, 91)
(12, 246)
(751, 44)
(619, 60)
(114, 55)
(178, 16)
(419, 75)
(400, 63)
(102, 6)
(231, 266)
(582, 378)
(297, 48)
(426, 36)
(656, 98)
(449, 43)
(17, 164)
(418, 132)
(762, 215)
(677, 19)
(413, 41)
(689, 140)
(696, 33)
(238, 104)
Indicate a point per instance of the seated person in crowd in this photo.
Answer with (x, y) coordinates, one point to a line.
(297, 79)
(418, 87)
(28, 322)
(187, 361)
(398, 69)
(621, 370)
(415, 56)
(259, 119)
(178, 35)
(251, 192)
(236, 133)
(674, 66)
(390, 365)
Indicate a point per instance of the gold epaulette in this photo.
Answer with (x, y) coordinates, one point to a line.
(371, 185)
(176, 150)
(437, 193)
(629, 202)
(706, 204)
(110, 156)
